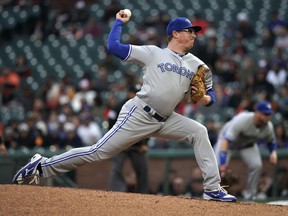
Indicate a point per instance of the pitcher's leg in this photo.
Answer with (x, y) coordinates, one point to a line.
(67, 161)
(115, 140)
(206, 159)
(132, 125)
(179, 127)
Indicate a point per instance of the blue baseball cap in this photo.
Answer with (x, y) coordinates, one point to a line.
(264, 107)
(180, 23)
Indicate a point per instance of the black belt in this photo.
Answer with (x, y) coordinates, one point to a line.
(155, 115)
(246, 146)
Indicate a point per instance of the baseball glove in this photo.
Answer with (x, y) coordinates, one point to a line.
(198, 81)
(229, 178)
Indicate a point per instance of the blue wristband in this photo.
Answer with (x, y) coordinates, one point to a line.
(212, 94)
(272, 146)
(223, 158)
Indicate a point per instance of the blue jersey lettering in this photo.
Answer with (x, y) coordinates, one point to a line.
(176, 69)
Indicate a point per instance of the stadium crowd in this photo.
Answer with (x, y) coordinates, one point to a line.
(242, 77)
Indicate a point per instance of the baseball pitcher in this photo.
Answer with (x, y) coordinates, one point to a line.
(167, 79)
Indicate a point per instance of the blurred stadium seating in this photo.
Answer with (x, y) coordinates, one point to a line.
(60, 55)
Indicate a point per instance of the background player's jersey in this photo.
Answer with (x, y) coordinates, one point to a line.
(167, 76)
(241, 131)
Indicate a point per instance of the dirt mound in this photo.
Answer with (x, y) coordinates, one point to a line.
(39, 200)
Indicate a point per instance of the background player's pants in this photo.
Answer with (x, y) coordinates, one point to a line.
(139, 164)
(252, 158)
(133, 125)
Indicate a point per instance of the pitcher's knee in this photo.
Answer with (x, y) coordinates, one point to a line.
(102, 156)
(199, 134)
(201, 131)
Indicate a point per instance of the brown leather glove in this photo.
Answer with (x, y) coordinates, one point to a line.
(229, 178)
(198, 88)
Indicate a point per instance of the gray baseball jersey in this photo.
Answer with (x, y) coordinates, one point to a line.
(167, 76)
(166, 79)
(242, 133)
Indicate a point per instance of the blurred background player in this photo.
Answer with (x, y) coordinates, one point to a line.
(241, 135)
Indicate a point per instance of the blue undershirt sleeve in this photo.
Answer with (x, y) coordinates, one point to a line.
(114, 46)
(212, 94)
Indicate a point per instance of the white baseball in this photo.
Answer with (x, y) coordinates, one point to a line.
(128, 12)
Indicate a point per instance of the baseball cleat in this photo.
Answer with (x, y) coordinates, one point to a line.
(29, 171)
(219, 195)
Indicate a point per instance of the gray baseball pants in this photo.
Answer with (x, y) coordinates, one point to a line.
(133, 125)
